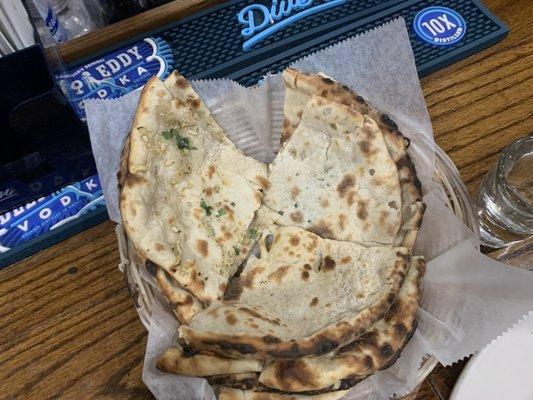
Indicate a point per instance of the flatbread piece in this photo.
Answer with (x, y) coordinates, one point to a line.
(188, 195)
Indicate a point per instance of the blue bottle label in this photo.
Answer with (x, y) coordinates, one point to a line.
(55, 29)
(440, 26)
(116, 74)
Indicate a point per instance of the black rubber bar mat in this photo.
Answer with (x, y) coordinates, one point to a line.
(209, 44)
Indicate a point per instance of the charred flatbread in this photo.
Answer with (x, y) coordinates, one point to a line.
(237, 394)
(377, 349)
(334, 176)
(301, 86)
(183, 304)
(177, 361)
(187, 195)
(304, 295)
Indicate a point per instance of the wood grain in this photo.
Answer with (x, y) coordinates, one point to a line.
(67, 325)
(68, 329)
(481, 104)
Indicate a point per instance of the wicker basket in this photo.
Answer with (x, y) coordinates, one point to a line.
(458, 200)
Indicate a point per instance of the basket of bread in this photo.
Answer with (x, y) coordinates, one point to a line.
(291, 280)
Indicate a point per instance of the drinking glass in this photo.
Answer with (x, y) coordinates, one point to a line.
(505, 200)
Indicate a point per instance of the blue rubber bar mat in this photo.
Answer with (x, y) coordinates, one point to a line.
(50, 238)
(49, 219)
(209, 44)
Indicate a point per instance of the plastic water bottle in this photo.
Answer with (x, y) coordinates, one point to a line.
(73, 17)
(48, 15)
(65, 19)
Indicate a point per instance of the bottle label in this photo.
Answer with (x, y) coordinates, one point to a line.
(116, 74)
(440, 26)
(52, 23)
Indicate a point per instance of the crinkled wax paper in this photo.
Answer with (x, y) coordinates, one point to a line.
(468, 299)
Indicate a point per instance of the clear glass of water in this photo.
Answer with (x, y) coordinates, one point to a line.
(505, 200)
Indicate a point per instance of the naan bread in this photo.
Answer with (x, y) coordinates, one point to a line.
(244, 381)
(334, 176)
(174, 360)
(377, 349)
(237, 394)
(184, 305)
(249, 381)
(190, 203)
(304, 296)
(301, 86)
(187, 194)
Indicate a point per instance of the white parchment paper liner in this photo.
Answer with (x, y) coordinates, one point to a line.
(468, 298)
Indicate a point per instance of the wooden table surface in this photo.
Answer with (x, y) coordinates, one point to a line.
(68, 328)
